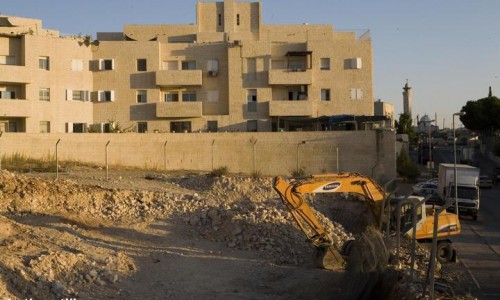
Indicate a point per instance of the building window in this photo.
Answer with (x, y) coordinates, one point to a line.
(44, 94)
(106, 96)
(171, 97)
(142, 96)
(79, 127)
(189, 65)
(220, 19)
(212, 126)
(77, 95)
(8, 126)
(252, 100)
(7, 95)
(43, 63)
(356, 94)
(189, 96)
(180, 126)
(252, 126)
(213, 67)
(106, 127)
(76, 127)
(106, 64)
(44, 126)
(325, 64)
(353, 63)
(76, 65)
(142, 127)
(325, 94)
(238, 19)
(142, 65)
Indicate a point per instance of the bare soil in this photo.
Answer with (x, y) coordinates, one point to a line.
(146, 235)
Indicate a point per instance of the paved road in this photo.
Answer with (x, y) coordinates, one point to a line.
(479, 243)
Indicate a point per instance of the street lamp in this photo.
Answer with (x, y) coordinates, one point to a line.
(455, 160)
(430, 144)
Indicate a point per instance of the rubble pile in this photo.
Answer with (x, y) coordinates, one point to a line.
(238, 212)
(244, 213)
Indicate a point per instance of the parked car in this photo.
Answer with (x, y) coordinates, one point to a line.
(485, 182)
(424, 189)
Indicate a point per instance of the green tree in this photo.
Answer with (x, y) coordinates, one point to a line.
(405, 167)
(404, 126)
(482, 115)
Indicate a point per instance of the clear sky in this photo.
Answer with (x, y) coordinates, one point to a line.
(449, 50)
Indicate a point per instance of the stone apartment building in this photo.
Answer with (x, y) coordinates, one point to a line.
(226, 72)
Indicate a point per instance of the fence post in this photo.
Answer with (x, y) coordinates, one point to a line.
(57, 159)
(213, 142)
(165, 155)
(107, 166)
(1, 132)
(254, 158)
(337, 160)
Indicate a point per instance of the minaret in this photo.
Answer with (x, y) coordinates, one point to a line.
(407, 99)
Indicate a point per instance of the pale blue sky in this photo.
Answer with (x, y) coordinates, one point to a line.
(449, 50)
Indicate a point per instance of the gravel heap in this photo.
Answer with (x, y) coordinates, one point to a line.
(242, 212)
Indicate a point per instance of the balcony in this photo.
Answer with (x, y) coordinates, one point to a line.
(290, 108)
(15, 108)
(179, 78)
(179, 110)
(14, 74)
(290, 76)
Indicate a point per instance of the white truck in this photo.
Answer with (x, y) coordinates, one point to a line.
(467, 187)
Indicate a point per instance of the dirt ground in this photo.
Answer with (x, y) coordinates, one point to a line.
(146, 235)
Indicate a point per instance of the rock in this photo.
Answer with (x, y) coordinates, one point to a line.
(100, 282)
(58, 287)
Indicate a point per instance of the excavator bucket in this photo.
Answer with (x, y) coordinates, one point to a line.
(329, 258)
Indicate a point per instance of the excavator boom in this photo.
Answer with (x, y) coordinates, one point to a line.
(292, 195)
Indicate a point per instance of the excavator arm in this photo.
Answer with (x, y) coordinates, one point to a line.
(292, 195)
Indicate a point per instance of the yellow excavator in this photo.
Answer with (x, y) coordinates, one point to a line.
(293, 192)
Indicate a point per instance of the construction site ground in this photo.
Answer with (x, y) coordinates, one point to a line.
(181, 235)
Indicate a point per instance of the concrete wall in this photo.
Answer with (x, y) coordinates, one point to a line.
(368, 152)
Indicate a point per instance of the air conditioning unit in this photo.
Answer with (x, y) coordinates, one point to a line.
(236, 43)
(212, 73)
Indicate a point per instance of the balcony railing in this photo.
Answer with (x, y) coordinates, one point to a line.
(179, 77)
(15, 74)
(179, 110)
(16, 108)
(290, 76)
(290, 108)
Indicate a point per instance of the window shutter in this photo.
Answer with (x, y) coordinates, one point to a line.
(112, 64)
(359, 94)
(101, 64)
(100, 95)
(69, 94)
(358, 63)
(353, 93)
(69, 127)
(85, 95)
(112, 95)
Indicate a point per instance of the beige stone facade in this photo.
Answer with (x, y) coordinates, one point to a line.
(227, 72)
(385, 109)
